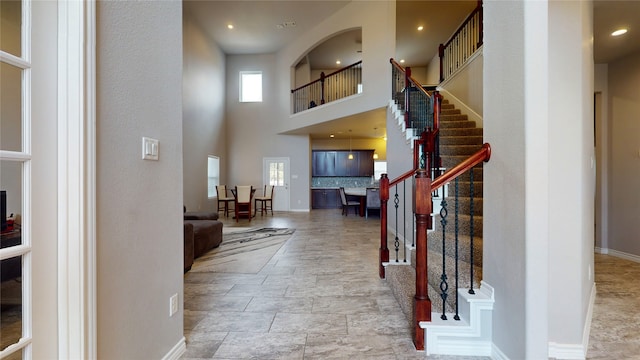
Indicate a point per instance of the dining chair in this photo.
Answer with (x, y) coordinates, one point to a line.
(347, 203)
(243, 199)
(266, 201)
(373, 201)
(223, 199)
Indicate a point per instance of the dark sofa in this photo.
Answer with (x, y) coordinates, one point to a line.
(205, 233)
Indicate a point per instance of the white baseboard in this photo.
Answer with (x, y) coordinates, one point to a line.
(497, 354)
(587, 324)
(177, 351)
(576, 351)
(566, 351)
(619, 254)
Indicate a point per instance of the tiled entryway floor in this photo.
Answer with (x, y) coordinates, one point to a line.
(320, 297)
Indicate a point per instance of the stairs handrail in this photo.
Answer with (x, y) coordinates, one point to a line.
(410, 79)
(484, 154)
(429, 134)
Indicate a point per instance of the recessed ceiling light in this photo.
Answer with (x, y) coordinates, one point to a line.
(332, 136)
(401, 61)
(230, 26)
(420, 28)
(619, 32)
(338, 62)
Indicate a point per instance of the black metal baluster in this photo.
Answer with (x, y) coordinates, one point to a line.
(444, 287)
(457, 196)
(404, 220)
(396, 201)
(471, 291)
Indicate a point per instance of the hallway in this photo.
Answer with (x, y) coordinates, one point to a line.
(320, 297)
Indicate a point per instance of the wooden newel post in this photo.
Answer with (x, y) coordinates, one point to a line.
(384, 198)
(422, 209)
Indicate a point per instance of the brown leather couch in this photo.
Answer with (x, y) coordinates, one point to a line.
(207, 234)
(188, 246)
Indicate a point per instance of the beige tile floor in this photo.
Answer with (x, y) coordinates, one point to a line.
(320, 297)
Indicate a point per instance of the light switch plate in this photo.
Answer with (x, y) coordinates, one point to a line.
(150, 148)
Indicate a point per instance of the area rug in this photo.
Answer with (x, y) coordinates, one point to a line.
(244, 251)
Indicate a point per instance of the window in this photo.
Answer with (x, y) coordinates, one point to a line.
(213, 175)
(250, 86)
(276, 173)
(379, 168)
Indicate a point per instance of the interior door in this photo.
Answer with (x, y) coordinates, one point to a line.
(275, 171)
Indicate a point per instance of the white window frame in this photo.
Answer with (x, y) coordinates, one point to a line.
(244, 84)
(213, 180)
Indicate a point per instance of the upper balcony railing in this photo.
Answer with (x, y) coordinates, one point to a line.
(462, 44)
(337, 85)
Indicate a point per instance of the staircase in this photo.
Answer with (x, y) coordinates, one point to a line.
(471, 335)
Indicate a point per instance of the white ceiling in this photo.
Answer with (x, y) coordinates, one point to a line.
(257, 31)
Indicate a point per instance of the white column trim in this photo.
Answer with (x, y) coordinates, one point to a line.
(76, 180)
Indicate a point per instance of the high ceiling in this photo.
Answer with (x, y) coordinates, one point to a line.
(266, 26)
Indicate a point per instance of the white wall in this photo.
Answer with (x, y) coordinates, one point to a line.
(203, 127)
(571, 170)
(504, 194)
(378, 39)
(251, 132)
(139, 203)
(433, 70)
(466, 86)
(539, 185)
(624, 128)
(255, 129)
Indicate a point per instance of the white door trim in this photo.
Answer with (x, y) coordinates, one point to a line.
(277, 205)
(76, 180)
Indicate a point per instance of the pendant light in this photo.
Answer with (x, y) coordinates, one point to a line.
(350, 157)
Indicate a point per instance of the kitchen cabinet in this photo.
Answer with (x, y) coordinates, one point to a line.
(325, 199)
(337, 163)
(323, 163)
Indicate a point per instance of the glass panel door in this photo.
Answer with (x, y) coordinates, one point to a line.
(276, 172)
(15, 162)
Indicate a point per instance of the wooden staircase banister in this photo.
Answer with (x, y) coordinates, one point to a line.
(481, 155)
(410, 78)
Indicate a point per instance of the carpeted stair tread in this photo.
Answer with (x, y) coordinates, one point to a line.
(457, 124)
(460, 140)
(449, 161)
(453, 117)
(402, 281)
(434, 243)
(460, 149)
(477, 174)
(434, 274)
(464, 224)
(449, 111)
(464, 205)
(464, 189)
(460, 132)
